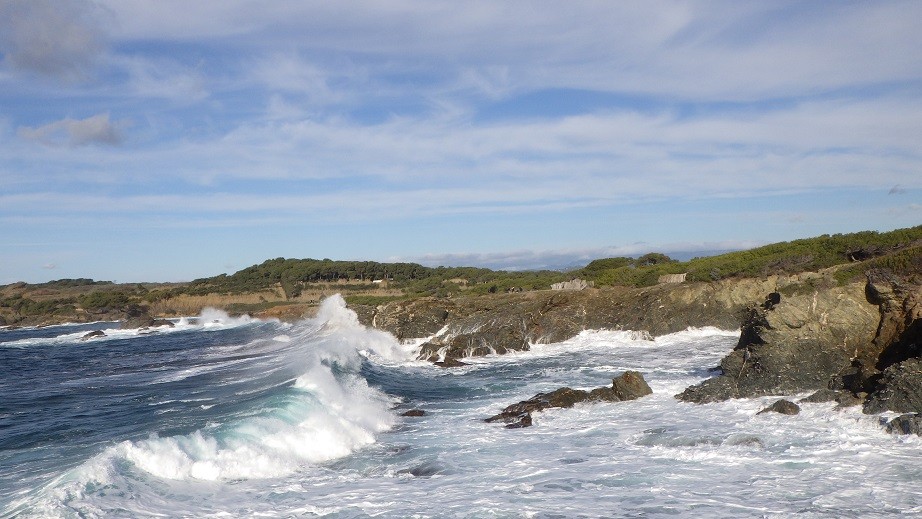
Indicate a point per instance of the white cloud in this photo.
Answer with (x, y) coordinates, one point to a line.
(96, 129)
(162, 78)
(694, 50)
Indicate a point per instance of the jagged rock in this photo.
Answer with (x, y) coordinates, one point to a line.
(782, 406)
(899, 389)
(413, 319)
(791, 344)
(93, 334)
(629, 385)
(899, 333)
(413, 412)
(478, 325)
(910, 423)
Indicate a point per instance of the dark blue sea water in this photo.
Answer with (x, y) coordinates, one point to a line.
(223, 417)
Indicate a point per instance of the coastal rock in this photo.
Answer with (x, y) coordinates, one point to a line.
(449, 362)
(628, 386)
(413, 413)
(783, 407)
(843, 398)
(137, 317)
(898, 389)
(910, 423)
(792, 343)
(412, 319)
(92, 335)
(479, 325)
(899, 331)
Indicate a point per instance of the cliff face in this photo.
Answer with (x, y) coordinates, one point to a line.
(865, 343)
(791, 344)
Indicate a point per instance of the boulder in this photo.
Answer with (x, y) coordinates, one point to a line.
(782, 406)
(630, 385)
(413, 412)
(910, 423)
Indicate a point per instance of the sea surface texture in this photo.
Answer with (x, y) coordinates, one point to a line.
(225, 417)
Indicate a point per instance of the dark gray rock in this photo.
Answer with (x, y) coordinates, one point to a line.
(629, 385)
(910, 423)
(782, 406)
(899, 389)
(449, 362)
(92, 335)
(413, 413)
(843, 398)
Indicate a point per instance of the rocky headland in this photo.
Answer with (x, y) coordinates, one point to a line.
(857, 343)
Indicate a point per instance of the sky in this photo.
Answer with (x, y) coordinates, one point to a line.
(171, 140)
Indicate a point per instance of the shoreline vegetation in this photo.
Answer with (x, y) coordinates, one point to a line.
(291, 288)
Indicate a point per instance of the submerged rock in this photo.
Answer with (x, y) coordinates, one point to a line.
(630, 385)
(449, 362)
(413, 412)
(782, 406)
(93, 334)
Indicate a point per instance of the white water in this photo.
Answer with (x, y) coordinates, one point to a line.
(331, 446)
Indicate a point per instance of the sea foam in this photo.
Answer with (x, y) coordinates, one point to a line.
(327, 411)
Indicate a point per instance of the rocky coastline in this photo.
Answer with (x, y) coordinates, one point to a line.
(855, 344)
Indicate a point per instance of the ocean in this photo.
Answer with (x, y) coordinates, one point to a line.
(236, 417)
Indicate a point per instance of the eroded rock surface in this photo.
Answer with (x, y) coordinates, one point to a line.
(792, 344)
(479, 325)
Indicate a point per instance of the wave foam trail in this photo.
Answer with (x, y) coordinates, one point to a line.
(325, 411)
(329, 411)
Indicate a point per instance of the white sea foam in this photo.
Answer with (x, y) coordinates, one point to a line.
(651, 457)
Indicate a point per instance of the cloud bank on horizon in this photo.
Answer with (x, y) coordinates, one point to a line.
(169, 140)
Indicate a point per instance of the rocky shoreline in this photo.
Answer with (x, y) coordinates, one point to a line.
(853, 344)
(857, 344)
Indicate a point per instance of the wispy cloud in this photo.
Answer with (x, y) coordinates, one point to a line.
(96, 129)
(499, 125)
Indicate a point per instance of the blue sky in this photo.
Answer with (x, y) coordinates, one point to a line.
(169, 140)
